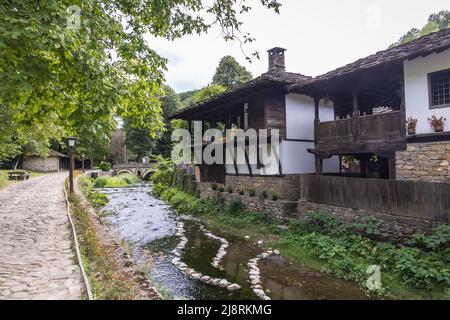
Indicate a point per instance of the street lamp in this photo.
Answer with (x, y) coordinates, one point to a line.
(71, 141)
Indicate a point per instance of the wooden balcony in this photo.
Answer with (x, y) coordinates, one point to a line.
(377, 133)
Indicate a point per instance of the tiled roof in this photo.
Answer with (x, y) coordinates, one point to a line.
(269, 78)
(433, 42)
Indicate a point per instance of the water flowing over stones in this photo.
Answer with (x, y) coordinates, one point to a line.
(193, 274)
(222, 250)
(255, 274)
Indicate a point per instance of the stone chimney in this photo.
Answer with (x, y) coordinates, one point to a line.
(276, 59)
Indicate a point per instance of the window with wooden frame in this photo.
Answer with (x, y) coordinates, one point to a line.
(439, 89)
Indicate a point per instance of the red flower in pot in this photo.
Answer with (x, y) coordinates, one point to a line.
(437, 123)
(411, 125)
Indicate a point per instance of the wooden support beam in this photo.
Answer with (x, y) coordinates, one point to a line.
(402, 109)
(319, 164)
(363, 160)
(190, 126)
(316, 119)
(355, 114)
(229, 122)
(247, 161)
(392, 167)
(355, 100)
(236, 169)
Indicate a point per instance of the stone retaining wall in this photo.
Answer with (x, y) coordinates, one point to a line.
(428, 161)
(392, 227)
(287, 188)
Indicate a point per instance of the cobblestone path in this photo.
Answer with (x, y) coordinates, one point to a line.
(36, 259)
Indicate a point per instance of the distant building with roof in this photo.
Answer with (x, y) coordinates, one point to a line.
(118, 153)
(54, 162)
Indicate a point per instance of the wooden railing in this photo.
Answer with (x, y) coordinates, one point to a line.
(415, 199)
(360, 128)
(334, 129)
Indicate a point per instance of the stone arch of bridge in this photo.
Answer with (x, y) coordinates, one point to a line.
(125, 171)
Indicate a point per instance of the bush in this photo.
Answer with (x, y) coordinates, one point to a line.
(346, 252)
(251, 192)
(214, 186)
(230, 190)
(98, 200)
(439, 241)
(240, 192)
(274, 196)
(263, 195)
(105, 166)
(235, 206)
(221, 189)
(119, 181)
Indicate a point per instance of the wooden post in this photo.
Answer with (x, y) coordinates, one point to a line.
(316, 119)
(318, 160)
(191, 146)
(190, 126)
(402, 108)
(363, 166)
(355, 114)
(71, 170)
(319, 163)
(392, 167)
(228, 126)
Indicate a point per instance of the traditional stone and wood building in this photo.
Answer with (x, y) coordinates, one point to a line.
(374, 96)
(264, 103)
(54, 162)
(358, 111)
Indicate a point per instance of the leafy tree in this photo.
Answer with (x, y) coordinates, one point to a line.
(186, 95)
(138, 141)
(88, 61)
(436, 22)
(169, 104)
(230, 73)
(204, 93)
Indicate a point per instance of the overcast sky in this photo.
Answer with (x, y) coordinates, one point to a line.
(319, 36)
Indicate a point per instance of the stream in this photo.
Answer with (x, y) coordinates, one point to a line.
(149, 226)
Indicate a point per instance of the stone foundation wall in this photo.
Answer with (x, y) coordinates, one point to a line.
(287, 188)
(428, 161)
(392, 227)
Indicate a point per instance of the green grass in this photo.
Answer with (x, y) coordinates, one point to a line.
(96, 200)
(325, 244)
(119, 181)
(107, 279)
(4, 181)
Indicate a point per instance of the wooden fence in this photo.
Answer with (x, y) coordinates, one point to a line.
(416, 199)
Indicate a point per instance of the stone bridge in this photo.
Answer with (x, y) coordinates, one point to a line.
(143, 170)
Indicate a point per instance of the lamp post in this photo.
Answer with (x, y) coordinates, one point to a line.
(71, 141)
(82, 162)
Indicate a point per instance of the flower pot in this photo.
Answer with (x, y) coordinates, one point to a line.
(411, 130)
(438, 128)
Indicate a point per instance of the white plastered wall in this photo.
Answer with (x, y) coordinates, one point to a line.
(416, 89)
